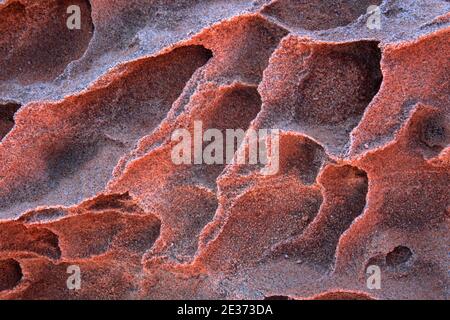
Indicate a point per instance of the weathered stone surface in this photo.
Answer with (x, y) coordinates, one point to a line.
(87, 179)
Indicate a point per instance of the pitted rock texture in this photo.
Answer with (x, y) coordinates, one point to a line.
(87, 178)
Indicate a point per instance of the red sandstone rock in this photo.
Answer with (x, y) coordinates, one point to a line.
(87, 179)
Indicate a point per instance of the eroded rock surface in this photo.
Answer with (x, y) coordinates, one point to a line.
(87, 177)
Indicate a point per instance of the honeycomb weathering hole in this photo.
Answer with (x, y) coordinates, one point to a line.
(341, 81)
(235, 109)
(35, 42)
(343, 295)
(399, 256)
(348, 100)
(433, 134)
(7, 112)
(344, 189)
(92, 131)
(10, 274)
(302, 156)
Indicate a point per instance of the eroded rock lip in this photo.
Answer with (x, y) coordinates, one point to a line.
(357, 91)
